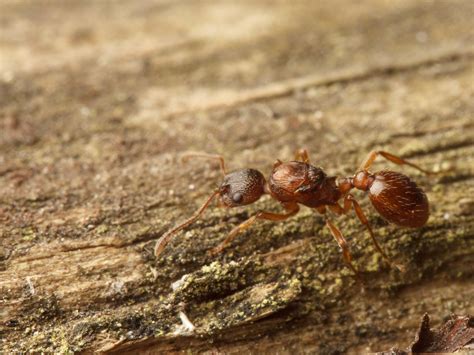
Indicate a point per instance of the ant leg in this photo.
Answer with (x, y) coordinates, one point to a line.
(292, 209)
(302, 154)
(164, 240)
(187, 156)
(390, 157)
(337, 209)
(350, 201)
(342, 242)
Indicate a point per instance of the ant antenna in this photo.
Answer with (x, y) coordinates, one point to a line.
(165, 239)
(187, 156)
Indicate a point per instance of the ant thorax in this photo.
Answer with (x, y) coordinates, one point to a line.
(302, 183)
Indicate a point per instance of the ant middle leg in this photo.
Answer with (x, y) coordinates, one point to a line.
(390, 157)
(292, 209)
(220, 158)
(350, 201)
(302, 154)
(342, 242)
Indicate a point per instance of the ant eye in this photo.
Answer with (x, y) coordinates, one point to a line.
(237, 197)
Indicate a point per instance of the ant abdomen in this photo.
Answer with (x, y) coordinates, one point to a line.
(398, 199)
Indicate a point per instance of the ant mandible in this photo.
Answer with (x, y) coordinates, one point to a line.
(394, 195)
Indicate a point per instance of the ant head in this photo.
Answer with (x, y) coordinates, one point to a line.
(242, 187)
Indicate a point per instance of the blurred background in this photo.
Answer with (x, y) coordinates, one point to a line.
(98, 99)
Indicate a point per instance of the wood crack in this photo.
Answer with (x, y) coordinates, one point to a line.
(288, 87)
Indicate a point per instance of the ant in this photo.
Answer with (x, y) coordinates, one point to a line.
(394, 195)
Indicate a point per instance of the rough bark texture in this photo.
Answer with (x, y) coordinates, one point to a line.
(98, 100)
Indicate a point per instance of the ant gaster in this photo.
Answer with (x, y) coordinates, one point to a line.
(394, 195)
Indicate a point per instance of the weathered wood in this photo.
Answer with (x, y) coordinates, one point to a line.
(95, 117)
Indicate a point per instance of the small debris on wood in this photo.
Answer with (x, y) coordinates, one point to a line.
(186, 327)
(30, 285)
(178, 283)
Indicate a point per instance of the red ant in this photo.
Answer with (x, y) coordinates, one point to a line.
(394, 195)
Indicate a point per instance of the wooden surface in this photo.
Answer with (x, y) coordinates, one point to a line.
(98, 100)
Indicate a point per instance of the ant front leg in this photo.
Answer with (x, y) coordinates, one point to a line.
(302, 154)
(390, 157)
(220, 158)
(349, 201)
(292, 209)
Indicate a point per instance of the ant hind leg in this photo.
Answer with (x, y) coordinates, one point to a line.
(390, 157)
(349, 201)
